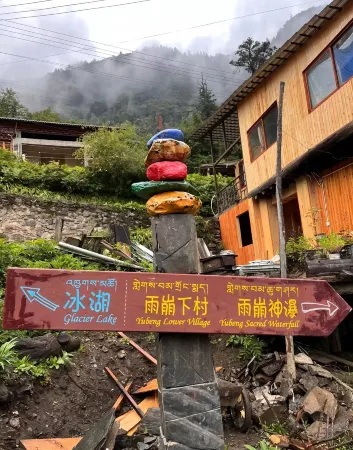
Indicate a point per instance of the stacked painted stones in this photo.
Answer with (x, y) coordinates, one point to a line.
(167, 191)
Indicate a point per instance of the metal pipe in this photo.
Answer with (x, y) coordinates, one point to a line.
(84, 252)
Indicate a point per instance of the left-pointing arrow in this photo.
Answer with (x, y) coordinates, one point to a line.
(32, 294)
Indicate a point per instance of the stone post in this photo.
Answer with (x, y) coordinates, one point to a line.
(188, 392)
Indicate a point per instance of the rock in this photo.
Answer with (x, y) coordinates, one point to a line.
(73, 345)
(167, 150)
(173, 203)
(38, 348)
(302, 358)
(262, 413)
(320, 401)
(5, 394)
(146, 189)
(272, 399)
(63, 338)
(104, 349)
(320, 372)
(121, 354)
(272, 368)
(151, 422)
(15, 422)
(167, 170)
(169, 133)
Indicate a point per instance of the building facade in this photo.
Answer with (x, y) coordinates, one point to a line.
(43, 142)
(316, 65)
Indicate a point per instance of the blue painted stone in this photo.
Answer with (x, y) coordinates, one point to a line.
(170, 133)
(146, 189)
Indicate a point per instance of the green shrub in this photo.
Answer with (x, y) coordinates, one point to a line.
(332, 243)
(143, 236)
(7, 354)
(206, 187)
(250, 346)
(295, 250)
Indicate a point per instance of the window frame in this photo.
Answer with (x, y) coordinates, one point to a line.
(333, 62)
(261, 120)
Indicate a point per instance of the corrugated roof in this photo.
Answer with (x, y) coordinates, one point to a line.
(229, 107)
(81, 125)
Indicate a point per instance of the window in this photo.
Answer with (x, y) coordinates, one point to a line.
(264, 133)
(333, 68)
(245, 229)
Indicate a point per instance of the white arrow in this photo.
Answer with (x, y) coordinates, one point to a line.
(330, 307)
(32, 294)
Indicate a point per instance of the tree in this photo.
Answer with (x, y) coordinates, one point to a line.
(10, 105)
(46, 115)
(206, 103)
(253, 54)
(115, 157)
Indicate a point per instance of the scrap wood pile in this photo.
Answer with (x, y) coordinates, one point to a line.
(317, 411)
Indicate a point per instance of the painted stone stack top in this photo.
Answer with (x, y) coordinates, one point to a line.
(167, 190)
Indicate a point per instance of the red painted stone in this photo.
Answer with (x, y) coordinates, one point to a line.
(47, 299)
(167, 170)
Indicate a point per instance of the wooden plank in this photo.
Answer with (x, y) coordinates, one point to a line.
(140, 349)
(129, 420)
(120, 399)
(50, 444)
(125, 393)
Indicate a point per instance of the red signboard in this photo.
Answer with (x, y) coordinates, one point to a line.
(120, 301)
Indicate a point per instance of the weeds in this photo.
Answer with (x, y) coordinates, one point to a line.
(276, 428)
(250, 346)
(263, 445)
(7, 354)
(55, 362)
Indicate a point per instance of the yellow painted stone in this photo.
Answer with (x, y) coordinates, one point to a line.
(167, 150)
(174, 202)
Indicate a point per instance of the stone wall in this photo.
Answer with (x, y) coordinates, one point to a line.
(24, 218)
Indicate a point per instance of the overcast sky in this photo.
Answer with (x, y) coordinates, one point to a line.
(129, 27)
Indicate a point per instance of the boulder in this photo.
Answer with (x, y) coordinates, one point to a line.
(319, 401)
(146, 189)
(167, 150)
(167, 170)
(302, 358)
(41, 347)
(169, 133)
(173, 203)
(262, 413)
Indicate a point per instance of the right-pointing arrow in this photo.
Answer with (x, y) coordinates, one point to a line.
(330, 307)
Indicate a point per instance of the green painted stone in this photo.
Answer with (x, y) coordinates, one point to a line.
(147, 189)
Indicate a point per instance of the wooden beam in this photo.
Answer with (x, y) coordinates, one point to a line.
(137, 347)
(49, 444)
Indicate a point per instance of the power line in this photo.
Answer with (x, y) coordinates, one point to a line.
(125, 49)
(73, 10)
(110, 75)
(168, 32)
(129, 60)
(26, 3)
(71, 4)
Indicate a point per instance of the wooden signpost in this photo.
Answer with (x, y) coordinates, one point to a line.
(177, 303)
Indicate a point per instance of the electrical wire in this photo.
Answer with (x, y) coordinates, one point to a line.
(127, 59)
(197, 26)
(107, 74)
(72, 4)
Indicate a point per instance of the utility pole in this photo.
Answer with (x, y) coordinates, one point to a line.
(282, 244)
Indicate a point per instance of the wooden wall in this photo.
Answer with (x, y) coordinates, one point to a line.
(336, 188)
(231, 233)
(302, 130)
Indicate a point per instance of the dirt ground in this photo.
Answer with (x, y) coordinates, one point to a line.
(78, 396)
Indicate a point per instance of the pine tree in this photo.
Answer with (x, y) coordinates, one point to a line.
(206, 103)
(10, 106)
(252, 54)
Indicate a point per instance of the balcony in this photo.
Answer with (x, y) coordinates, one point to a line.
(235, 192)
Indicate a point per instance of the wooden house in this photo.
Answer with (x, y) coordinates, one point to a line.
(316, 65)
(42, 142)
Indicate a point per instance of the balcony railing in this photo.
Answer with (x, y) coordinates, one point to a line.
(235, 192)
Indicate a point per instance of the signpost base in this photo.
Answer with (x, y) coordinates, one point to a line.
(188, 392)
